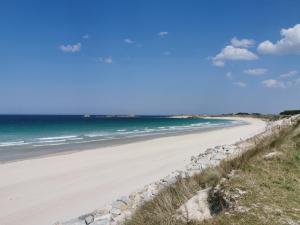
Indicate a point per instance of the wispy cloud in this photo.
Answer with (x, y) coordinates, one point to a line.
(166, 53)
(128, 41)
(70, 48)
(163, 33)
(106, 60)
(240, 84)
(243, 43)
(256, 71)
(288, 44)
(234, 54)
(289, 74)
(86, 36)
(285, 80)
(272, 83)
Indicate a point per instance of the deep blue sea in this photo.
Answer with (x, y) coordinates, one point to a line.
(27, 131)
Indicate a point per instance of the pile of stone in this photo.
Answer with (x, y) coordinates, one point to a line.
(123, 207)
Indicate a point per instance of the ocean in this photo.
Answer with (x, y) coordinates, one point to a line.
(30, 134)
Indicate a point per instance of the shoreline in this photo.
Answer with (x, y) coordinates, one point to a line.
(60, 187)
(15, 155)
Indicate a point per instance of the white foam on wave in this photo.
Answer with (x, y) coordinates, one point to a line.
(120, 133)
(51, 141)
(57, 138)
(44, 142)
(100, 134)
(12, 143)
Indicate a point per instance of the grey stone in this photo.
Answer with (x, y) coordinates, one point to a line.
(102, 220)
(115, 212)
(89, 219)
(120, 204)
(196, 208)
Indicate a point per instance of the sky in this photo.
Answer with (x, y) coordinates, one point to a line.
(149, 57)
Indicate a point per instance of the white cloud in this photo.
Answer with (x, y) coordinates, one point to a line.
(285, 81)
(243, 43)
(106, 60)
(70, 48)
(256, 71)
(86, 36)
(229, 76)
(128, 41)
(272, 83)
(233, 53)
(289, 74)
(163, 33)
(288, 44)
(240, 84)
(219, 63)
(166, 53)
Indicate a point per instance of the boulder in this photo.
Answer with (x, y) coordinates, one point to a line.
(104, 219)
(196, 208)
(115, 212)
(89, 219)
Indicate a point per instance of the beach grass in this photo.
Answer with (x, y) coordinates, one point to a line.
(271, 188)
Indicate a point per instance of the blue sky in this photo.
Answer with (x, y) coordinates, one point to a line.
(149, 57)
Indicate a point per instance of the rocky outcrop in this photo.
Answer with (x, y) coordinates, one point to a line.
(196, 208)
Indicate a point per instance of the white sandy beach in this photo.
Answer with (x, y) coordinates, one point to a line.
(60, 187)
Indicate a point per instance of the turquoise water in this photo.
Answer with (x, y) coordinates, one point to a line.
(38, 131)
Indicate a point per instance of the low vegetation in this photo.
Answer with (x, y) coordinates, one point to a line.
(249, 189)
(290, 112)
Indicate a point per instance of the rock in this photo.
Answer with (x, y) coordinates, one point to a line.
(193, 159)
(115, 212)
(119, 219)
(124, 199)
(120, 204)
(89, 219)
(273, 155)
(102, 218)
(102, 212)
(151, 191)
(136, 198)
(196, 208)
